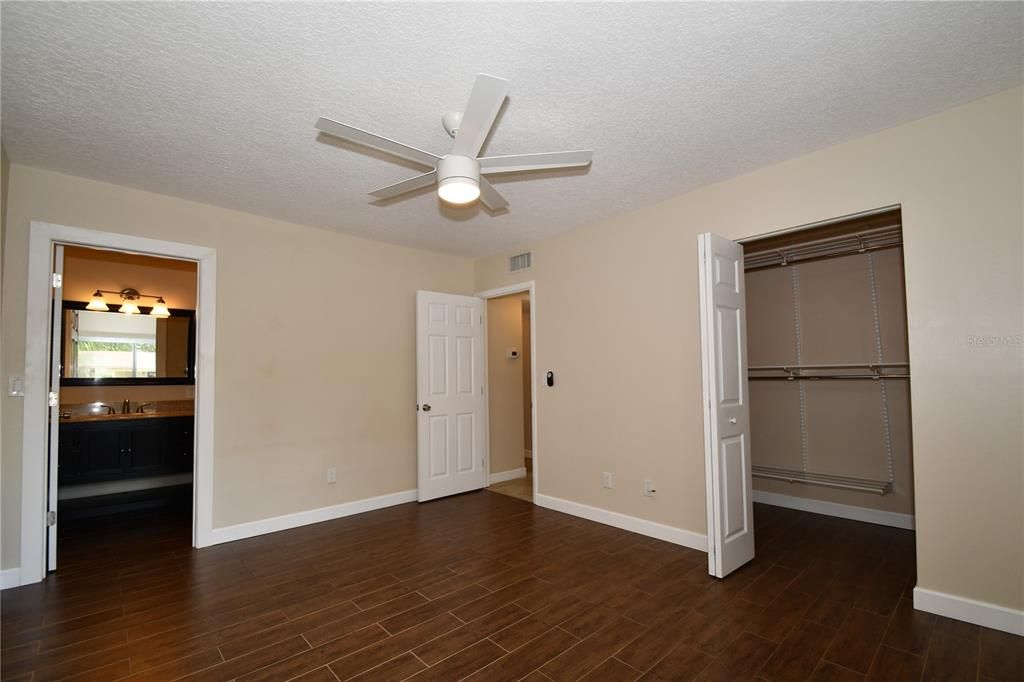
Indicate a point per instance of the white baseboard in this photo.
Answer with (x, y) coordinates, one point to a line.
(272, 525)
(843, 511)
(10, 577)
(509, 475)
(73, 492)
(652, 529)
(969, 610)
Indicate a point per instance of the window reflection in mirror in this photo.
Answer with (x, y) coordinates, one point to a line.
(102, 346)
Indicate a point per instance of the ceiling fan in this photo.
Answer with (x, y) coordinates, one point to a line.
(459, 174)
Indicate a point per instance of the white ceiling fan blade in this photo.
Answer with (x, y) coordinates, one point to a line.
(404, 186)
(515, 163)
(490, 198)
(484, 102)
(367, 139)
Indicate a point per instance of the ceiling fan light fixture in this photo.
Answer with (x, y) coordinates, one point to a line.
(458, 175)
(458, 190)
(458, 180)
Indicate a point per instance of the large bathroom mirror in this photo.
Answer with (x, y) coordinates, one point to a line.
(113, 349)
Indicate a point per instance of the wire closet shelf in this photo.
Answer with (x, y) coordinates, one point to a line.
(862, 242)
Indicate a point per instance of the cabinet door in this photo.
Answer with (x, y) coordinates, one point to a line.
(100, 455)
(147, 445)
(181, 456)
(69, 454)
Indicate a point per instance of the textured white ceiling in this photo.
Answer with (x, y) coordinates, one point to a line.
(216, 102)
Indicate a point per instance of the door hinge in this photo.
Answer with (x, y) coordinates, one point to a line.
(58, 280)
(52, 400)
(51, 518)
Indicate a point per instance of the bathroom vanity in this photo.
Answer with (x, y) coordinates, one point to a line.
(119, 446)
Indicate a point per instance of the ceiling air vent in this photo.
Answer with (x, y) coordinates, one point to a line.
(520, 262)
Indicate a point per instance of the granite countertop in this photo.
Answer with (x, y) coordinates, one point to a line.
(97, 412)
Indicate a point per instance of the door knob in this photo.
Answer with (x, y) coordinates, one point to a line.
(426, 408)
(733, 420)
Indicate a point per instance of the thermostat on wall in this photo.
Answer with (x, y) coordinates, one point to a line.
(513, 354)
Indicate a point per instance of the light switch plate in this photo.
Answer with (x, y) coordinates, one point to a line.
(16, 387)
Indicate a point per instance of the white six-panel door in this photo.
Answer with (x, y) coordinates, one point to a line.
(450, 401)
(726, 410)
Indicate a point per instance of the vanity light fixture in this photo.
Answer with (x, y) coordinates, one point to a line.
(129, 305)
(129, 308)
(159, 308)
(97, 302)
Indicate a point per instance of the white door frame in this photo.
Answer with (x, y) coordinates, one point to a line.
(35, 427)
(531, 288)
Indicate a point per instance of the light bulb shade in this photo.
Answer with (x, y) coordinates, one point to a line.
(129, 308)
(160, 309)
(458, 179)
(97, 303)
(458, 190)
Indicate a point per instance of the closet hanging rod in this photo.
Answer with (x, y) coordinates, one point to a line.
(806, 377)
(865, 365)
(760, 264)
(829, 247)
(830, 480)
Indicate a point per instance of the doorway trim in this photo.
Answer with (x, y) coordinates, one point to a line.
(34, 468)
(522, 287)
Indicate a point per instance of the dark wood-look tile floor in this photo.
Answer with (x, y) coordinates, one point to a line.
(485, 587)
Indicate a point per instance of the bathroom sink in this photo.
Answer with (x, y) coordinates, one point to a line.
(86, 410)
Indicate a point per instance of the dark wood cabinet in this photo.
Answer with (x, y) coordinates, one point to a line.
(124, 448)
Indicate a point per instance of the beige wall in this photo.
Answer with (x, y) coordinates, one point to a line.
(844, 420)
(86, 270)
(303, 381)
(505, 382)
(631, 404)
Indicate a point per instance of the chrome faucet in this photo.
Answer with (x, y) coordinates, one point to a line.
(142, 407)
(126, 407)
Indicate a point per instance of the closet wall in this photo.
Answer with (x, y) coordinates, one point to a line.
(825, 312)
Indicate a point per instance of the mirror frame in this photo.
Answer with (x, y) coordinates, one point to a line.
(124, 381)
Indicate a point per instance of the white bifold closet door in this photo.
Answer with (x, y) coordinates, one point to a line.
(451, 450)
(726, 407)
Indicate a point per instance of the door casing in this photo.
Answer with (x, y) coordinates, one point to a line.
(43, 237)
(522, 287)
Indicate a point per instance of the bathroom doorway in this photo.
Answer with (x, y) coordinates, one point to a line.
(41, 386)
(124, 351)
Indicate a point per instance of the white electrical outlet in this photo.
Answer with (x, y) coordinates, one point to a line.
(649, 487)
(332, 475)
(606, 479)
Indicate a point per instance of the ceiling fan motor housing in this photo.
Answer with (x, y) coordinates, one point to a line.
(458, 167)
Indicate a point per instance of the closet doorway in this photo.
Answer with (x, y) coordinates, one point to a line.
(827, 382)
